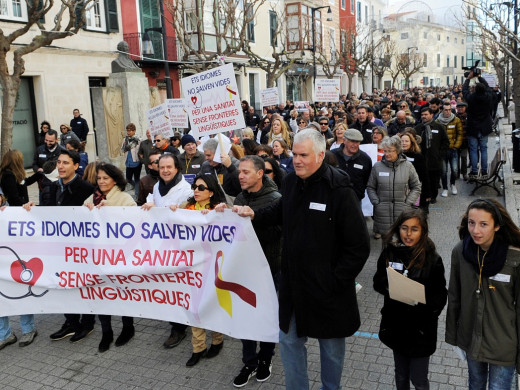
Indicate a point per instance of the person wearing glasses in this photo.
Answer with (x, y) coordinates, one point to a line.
(44, 128)
(67, 134)
(262, 132)
(207, 193)
(397, 125)
(147, 182)
(324, 128)
(163, 144)
(274, 171)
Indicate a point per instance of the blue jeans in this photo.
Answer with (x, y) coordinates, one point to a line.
(500, 377)
(476, 143)
(294, 358)
(26, 323)
(452, 158)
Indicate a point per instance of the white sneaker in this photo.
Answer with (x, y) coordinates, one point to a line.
(454, 189)
(444, 193)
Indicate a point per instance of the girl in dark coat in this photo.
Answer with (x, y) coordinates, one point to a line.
(12, 178)
(412, 152)
(411, 331)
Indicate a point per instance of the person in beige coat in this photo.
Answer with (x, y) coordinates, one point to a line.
(110, 192)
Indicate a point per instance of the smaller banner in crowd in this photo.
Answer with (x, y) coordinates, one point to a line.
(177, 113)
(269, 97)
(207, 271)
(327, 90)
(159, 121)
(301, 106)
(212, 100)
(490, 78)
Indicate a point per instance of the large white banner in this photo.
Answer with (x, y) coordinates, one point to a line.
(326, 90)
(213, 102)
(208, 271)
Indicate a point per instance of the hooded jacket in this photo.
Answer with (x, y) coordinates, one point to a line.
(392, 188)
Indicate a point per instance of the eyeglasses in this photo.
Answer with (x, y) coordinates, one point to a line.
(199, 187)
(324, 124)
(301, 123)
(264, 156)
(268, 171)
(154, 162)
(267, 121)
(157, 140)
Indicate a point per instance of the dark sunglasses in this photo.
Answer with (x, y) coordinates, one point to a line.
(157, 140)
(154, 162)
(264, 156)
(199, 187)
(324, 124)
(301, 123)
(268, 171)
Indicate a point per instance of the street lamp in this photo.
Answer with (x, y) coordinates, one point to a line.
(313, 19)
(408, 67)
(148, 49)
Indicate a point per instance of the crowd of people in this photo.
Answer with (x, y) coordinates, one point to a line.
(301, 177)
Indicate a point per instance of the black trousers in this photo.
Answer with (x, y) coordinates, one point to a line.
(80, 322)
(414, 369)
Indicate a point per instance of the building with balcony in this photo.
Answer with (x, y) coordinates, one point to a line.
(58, 77)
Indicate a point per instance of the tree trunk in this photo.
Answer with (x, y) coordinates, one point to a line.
(350, 76)
(10, 86)
(269, 79)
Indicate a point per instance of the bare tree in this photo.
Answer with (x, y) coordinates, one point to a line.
(281, 55)
(394, 69)
(385, 51)
(493, 29)
(410, 64)
(68, 19)
(209, 29)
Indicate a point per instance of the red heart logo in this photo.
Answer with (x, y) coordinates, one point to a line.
(194, 99)
(28, 275)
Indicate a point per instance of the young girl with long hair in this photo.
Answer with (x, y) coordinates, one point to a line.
(411, 331)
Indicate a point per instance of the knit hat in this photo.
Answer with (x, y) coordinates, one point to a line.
(186, 139)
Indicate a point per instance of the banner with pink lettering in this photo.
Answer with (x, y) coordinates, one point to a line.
(207, 271)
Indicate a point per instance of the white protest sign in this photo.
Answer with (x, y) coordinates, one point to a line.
(159, 121)
(179, 266)
(326, 90)
(366, 205)
(269, 97)
(490, 78)
(301, 106)
(213, 103)
(177, 113)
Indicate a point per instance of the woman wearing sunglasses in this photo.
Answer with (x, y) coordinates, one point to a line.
(207, 193)
(274, 171)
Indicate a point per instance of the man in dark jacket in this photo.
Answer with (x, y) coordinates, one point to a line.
(147, 182)
(79, 125)
(434, 145)
(363, 124)
(259, 191)
(354, 161)
(69, 190)
(398, 124)
(325, 246)
(191, 160)
(226, 171)
(479, 124)
(47, 152)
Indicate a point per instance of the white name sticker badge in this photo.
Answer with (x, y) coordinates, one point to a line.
(501, 278)
(384, 173)
(397, 266)
(358, 166)
(435, 131)
(317, 206)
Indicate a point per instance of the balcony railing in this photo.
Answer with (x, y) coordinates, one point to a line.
(135, 44)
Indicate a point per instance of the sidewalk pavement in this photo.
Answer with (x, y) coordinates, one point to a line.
(144, 364)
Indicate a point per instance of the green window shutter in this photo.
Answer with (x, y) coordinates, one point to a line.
(111, 14)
